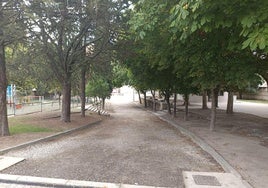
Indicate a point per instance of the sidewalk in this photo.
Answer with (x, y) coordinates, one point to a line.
(241, 139)
(254, 108)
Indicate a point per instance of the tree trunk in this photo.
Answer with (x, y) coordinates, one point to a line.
(145, 99)
(209, 95)
(154, 104)
(204, 100)
(167, 96)
(240, 95)
(103, 103)
(4, 129)
(213, 110)
(175, 105)
(230, 103)
(59, 99)
(66, 102)
(186, 103)
(216, 95)
(83, 92)
(139, 94)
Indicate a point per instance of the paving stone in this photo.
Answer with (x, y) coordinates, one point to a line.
(6, 162)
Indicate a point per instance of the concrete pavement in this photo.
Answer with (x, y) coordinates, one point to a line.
(249, 107)
(244, 153)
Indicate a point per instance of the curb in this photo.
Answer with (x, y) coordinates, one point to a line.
(48, 138)
(206, 147)
(62, 183)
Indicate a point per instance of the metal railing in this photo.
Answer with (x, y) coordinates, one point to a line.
(33, 104)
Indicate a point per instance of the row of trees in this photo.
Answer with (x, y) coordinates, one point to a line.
(192, 47)
(181, 46)
(57, 43)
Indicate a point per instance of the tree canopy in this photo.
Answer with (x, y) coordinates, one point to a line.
(184, 46)
(207, 44)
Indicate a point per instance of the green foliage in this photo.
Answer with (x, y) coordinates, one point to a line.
(249, 17)
(203, 44)
(120, 75)
(26, 70)
(12, 23)
(99, 87)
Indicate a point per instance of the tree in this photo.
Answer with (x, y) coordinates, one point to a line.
(11, 30)
(58, 29)
(188, 35)
(240, 73)
(169, 58)
(120, 75)
(26, 71)
(223, 34)
(99, 87)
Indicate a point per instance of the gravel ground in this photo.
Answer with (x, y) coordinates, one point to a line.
(131, 147)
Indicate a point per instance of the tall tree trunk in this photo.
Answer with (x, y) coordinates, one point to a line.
(83, 92)
(4, 129)
(145, 99)
(213, 110)
(175, 105)
(66, 101)
(216, 95)
(204, 100)
(154, 103)
(167, 96)
(103, 103)
(59, 99)
(139, 94)
(240, 95)
(186, 103)
(230, 103)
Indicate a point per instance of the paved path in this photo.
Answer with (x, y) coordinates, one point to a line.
(132, 147)
(246, 154)
(258, 109)
(247, 107)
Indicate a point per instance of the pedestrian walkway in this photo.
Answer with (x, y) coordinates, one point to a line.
(258, 109)
(248, 107)
(246, 154)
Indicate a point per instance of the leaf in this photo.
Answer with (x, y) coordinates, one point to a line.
(262, 43)
(248, 21)
(203, 20)
(195, 7)
(142, 34)
(184, 14)
(246, 43)
(194, 27)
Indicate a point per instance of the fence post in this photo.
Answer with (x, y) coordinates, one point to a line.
(14, 105)
(41, 97)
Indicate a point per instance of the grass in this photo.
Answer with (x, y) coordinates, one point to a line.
(23, 128)
(21, 124)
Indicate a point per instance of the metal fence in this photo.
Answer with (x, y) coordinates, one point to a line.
(33, 104)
